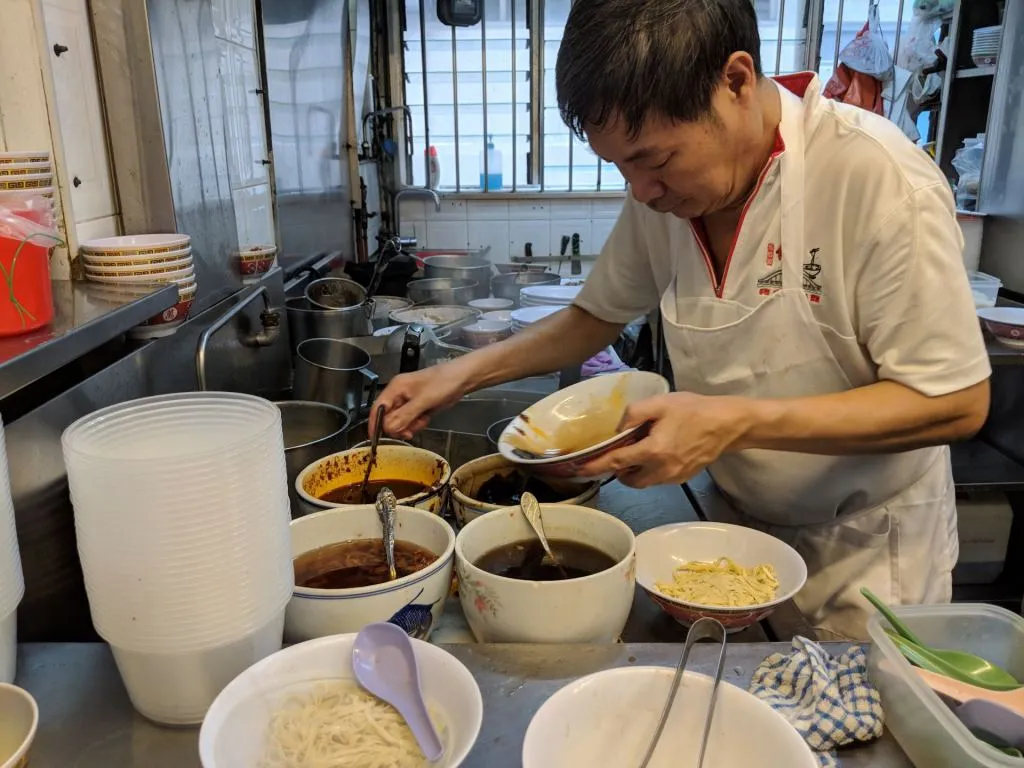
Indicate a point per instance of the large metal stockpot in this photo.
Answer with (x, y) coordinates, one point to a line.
(457, 267)
(311, 431)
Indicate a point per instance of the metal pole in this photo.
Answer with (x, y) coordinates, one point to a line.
(839, 37)
(455, 109)
(535, 17)
(515, 105)
(486, 186)
(426, 120)
(778, 43)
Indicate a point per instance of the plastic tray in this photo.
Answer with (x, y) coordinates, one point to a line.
(924, 726)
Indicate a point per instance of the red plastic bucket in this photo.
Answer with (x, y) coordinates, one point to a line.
(26, 299)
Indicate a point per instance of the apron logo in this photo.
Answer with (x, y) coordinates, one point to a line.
(770, 283)
(811, 272)
(770, 257)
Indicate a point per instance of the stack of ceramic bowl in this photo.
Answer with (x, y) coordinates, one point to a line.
(12, 583)
(985, 45)
(26, 176)
(527, 316)
(254, 261)
(548, 295)
(127, 268)
(181, 514)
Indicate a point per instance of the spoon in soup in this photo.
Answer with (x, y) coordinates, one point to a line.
(531, 511)
(386, 503)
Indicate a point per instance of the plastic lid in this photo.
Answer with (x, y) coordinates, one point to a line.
(490, 142)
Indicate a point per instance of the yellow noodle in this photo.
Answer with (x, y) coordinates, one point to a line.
(721, 583)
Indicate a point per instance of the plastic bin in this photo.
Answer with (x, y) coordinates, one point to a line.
(924, 726)
(985, 288)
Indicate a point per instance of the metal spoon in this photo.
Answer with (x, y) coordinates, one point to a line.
(386, 503)
(384, 663)
(960, 665)
(531, 511)
(702, 629)
(374, 442)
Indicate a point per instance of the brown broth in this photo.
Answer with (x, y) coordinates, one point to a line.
(525, 560)
(357, 563)
(353, 493)
(507, 490)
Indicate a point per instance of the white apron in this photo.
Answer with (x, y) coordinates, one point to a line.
(887, 522)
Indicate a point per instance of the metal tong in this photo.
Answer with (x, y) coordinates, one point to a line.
(702, 629)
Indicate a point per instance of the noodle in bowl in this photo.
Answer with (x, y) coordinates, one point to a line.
(734, 574)
(302, 708)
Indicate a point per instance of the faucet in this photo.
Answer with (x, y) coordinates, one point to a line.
(396, 201)
(270, 319)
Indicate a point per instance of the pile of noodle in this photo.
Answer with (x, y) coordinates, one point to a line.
(721, 583)
(339, 725)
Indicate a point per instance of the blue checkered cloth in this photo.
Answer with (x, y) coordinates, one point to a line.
(829, 700)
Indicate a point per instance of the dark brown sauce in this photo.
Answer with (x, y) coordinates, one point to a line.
(524, 560)
(357, 563)
(353, 494)
(507, 490)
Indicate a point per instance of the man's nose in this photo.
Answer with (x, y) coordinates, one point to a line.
(646, 188)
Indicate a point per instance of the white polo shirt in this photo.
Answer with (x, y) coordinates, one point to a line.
(884, 274)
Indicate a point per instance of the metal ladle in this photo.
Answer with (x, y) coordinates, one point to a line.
(386, 504)
(531, 511)
(374, 442)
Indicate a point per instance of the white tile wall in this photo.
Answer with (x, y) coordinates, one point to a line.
(507, 225)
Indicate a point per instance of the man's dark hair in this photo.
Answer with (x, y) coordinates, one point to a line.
(635, 58)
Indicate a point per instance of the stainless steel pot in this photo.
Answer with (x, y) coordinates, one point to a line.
(335, 372)
(494, 431)
(509, 286)
(461, 268)
(335, 293)
(311, 431)
(442, 290)
(306, 321)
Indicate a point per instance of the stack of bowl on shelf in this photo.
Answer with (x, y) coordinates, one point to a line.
(254, 261)
(28, 175)
(548, 295)
(985, 45)
(12, 583)
(126, 268)
(181, 514)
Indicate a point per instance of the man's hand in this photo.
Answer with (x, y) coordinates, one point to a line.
(688, 432)
(410, 399)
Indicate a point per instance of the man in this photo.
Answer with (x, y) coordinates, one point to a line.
(806, 261)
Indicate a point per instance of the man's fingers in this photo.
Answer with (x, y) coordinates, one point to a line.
(641, 412)
(619, 460)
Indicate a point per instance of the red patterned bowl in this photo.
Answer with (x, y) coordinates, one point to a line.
(1005, 323)
(661, 550)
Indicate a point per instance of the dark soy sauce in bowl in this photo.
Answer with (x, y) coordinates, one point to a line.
(354, 494)
(357, 563)
(525, 560)
(507, 490)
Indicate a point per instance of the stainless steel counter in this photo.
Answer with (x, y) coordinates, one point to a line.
(86, 720)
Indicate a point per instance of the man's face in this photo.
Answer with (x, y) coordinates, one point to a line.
(687, 169)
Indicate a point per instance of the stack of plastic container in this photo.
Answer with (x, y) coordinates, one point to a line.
(12, 583)
(182, 517)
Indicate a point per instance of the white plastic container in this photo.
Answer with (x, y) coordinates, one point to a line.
(971, 225)
(985, 289)
(8, 647)
(926, 729)
(433, 168)
(491, 168)
(178, 688)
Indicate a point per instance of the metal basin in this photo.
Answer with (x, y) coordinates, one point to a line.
(311, 431)
(443, 291)
(335, 293)
(461, 268)
(509, 286)
(306, 321)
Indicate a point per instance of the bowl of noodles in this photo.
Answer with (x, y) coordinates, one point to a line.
(302, 708)
(734, 574)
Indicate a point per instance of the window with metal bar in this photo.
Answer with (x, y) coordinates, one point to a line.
(494, 83)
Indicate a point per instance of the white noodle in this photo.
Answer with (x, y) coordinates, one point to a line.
(339, 725)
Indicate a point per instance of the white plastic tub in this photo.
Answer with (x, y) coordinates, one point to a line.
(924, 726)
(8, 647)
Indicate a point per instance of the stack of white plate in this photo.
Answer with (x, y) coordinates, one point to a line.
(182, 519)
(28, 178)
(126, 268)
(985, 45)
(12, 583)
(527, 316)
(548, 295)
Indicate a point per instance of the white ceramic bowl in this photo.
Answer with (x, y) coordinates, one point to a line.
(659, 551)
(592, 609)
(137, 244)
(19, 719)
(432, 316)
(95, 260)
(492, 305)
(1006, 324)
(234, 730)
(498, 315)
(607, 720)
(20, 170)
(26, 156)
(414, 602)
(485, 332)
(161, 268)
(468, 479)
(178, 276)
(393, 462)
(578, 402)
(178, 688)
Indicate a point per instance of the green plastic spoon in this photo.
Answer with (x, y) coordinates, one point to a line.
(960, 665)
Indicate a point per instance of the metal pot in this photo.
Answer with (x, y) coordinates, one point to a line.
(461, 268)
(306, 321)
(335, 293)
(442, 290)
(509, 286)
(333, 371)
(311, 431)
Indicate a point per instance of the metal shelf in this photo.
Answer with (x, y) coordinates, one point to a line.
(970, 72)
(977, 466)
(82, 321)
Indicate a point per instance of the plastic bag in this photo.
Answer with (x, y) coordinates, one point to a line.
(27, 234)
(855, 88)
(868, 53)
(967, 163)
(918, 47)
